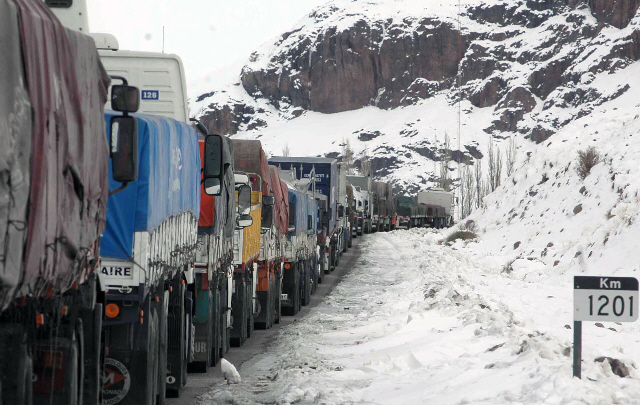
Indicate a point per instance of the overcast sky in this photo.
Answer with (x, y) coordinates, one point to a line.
(213, 37)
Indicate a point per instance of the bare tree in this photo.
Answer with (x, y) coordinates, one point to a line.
(479, 182)
(286, 151)
(511, 155)
(445, 180)
(347, 156)
(365, 163)
(467, 191)
(498, 165)
(492, 168)
(495, 167)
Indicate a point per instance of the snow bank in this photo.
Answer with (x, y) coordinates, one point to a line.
(419, 322)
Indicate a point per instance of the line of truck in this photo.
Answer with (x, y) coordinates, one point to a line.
(136, 247)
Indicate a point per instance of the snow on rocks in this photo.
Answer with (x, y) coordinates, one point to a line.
(416, 322)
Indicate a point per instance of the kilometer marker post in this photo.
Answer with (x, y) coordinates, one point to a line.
(606, 299)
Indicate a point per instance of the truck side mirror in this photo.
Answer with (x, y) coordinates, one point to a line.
(340, 211)
(124, 148)
(309, 221)
(244, 221)
(125, 98)
(268, 200)
(267, 217)
(213, 171)
(348, 211)
(244, 199)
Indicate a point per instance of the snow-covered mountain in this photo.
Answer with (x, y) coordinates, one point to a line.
(388, 75)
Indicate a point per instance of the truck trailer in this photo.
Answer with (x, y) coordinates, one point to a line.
(250, 158)
(324, 171)
(214, 267)
(55, 156)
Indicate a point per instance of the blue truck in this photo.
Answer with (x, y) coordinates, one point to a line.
(300, 275)
(148, 251)
(325, 173)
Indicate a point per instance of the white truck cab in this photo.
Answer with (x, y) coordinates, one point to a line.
(159, 76)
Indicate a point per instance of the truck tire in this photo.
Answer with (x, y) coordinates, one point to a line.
(92, 354)
(278, 298)
(216, 330)
(163, 338)
(250, 307)
(176, 347)
(17, 373)
(239, 312)
(296, 291)
(308, 283)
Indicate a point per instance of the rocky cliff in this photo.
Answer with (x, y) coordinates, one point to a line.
(530, 67)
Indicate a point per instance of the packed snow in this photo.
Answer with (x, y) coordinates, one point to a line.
(418, 321)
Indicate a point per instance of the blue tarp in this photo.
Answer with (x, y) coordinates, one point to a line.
(298, 211)
(168, 183)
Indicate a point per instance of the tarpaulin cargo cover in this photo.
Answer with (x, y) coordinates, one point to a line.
(217, 214)
(168, 183)
(297, 212)
(281, 206)
(53, 151)
(248, 157)
(385, 204)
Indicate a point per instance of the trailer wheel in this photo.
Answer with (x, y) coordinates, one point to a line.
(250, 308)
(163, 336)
(215, 328)
(24, 372)
(306, 287)
(296, 292)
(278, 301)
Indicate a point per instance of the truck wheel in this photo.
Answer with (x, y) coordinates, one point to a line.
(22, 368)
(306, 297)
(176, 359)
(239, 313)
(215, 333)
(278, 299)
(250, 308)
(296, 292)
(163, 336)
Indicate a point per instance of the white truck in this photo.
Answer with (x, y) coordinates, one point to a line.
(363, 196)
(439, 207)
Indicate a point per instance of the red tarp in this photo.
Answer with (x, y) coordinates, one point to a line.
(67, 88)
(249, 157)
(281, 195)
(207, 202)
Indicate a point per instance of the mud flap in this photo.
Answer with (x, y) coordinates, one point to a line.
(176, 350)
(239, 311)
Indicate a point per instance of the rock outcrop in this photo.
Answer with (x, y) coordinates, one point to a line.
(381, 63)
(531, 64)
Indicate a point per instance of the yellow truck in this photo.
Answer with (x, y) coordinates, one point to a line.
(246, 251)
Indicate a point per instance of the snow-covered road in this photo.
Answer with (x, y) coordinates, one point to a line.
(417, 322)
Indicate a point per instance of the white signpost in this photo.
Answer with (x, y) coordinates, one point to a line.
(606, 299)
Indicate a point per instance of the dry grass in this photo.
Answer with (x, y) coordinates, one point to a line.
(464, 235)
(586, 160)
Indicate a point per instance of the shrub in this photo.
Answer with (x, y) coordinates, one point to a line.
(464, 235)
(586, 160)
